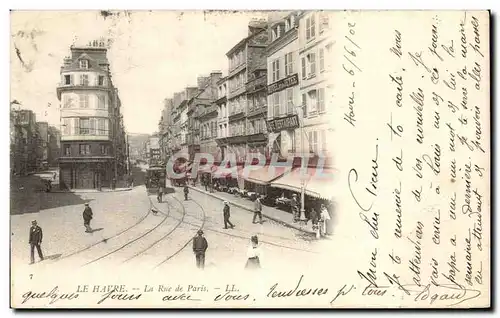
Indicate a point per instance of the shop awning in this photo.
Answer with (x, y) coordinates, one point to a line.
(318, 183)
(264, 175)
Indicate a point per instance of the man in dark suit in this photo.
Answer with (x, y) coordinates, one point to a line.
(227, 215)
(36, 236)
(87, 216)
(200, 246)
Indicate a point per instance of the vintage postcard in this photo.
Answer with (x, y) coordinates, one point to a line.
(250, 159)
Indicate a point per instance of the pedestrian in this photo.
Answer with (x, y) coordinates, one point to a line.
(324, 218)
(295, 208)
(227, 215)
(87, 217)
(257, 209)
(159, 195)
(200, 246)
(35, 240)
(113, 183)
(315, 221)
(206, 183)
(186, 192)
(254, 254)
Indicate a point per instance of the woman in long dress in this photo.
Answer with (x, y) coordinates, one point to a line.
(324, 216)
(253, 254)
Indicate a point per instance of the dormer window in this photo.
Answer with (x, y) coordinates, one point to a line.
(84, 64)
(289, 23)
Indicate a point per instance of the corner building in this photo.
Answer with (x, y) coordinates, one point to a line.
(93, 149)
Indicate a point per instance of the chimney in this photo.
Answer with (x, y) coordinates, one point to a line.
(256, 25)
(202, 81)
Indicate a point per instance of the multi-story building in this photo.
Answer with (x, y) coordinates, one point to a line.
(165, 129)
(315, 47)
(245, 62)
(43, 144)
(93, 145)
(222, 115)
(206, 115)
(54, 146)
(24, 142)
(154, 153)
(284, 95)
(181, 119)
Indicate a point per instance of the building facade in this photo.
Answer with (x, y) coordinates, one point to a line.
(246, 64)
(54, 146)
(93, 143)
(43, 145)
(315, 50)
(165, 129)
(23, 142)
(222, 116)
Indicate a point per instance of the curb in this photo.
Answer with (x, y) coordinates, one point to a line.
(91, 191)
(251, 210)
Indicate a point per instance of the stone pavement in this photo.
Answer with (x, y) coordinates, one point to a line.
(62, 222)
(271, 213)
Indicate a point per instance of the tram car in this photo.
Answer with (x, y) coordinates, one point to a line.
(155, 178)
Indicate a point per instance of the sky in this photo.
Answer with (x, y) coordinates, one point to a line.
(153, 55)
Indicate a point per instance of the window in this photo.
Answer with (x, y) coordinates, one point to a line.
(84, 126)
(68, 79)
(288, 64)
(102, 126)
(84, 79)
(312, 98)
(101, 101)
(100, 80)
(289, 99)
(92, 126)
(84, 100)
(276, 70)
(323, 141)
(310, 27)
(321, 100)
(313, 141)
(66, 127)
(84, 149)
(321, 60)
(84, 64)
(323, 22)
(311, 58)
(67, 101)
(104, 150)
(276, 99)
(304, 72)
(304, 105)
(67, 150)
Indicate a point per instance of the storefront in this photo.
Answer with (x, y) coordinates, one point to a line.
(89, 174)
(259, 180)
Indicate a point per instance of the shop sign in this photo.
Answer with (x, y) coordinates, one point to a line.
(280, 85)
(286, 123)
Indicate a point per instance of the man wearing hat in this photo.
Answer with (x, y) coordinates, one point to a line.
(227, 215)
(87, 216)
(295, 208)
(36, 236)
(200, 246)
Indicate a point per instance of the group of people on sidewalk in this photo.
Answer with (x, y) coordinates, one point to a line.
(200, 246)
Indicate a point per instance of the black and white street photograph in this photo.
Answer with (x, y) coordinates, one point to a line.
(164, 159)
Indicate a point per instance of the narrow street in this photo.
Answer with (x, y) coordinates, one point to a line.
(128, 234)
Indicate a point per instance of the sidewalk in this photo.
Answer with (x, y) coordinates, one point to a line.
(271, 213)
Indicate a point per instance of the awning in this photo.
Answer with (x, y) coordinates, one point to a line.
(264, 175)
(318, 183)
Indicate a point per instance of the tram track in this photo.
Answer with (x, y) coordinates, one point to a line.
(105, 240)
(200, 227)
(180, 221)
(166, 216)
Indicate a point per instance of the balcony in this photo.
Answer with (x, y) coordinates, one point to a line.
(256, 84)
(256, 110)
(207, 111)
(81, 87)
(237, 114)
